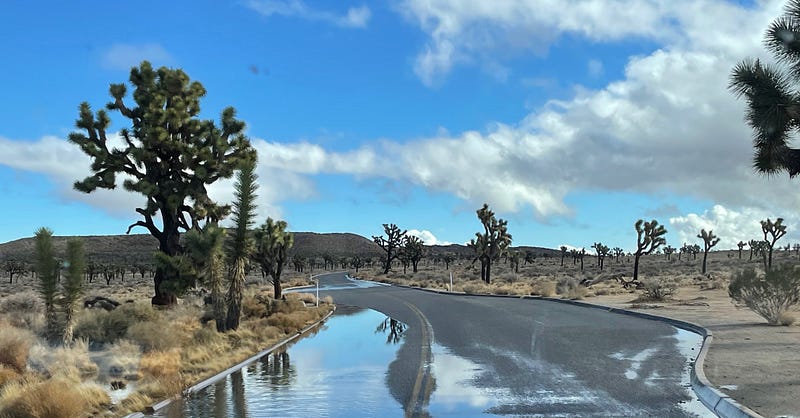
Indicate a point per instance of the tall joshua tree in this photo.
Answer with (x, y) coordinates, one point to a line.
(73, 285)
(391, 244)
(414, 249)
(669, 250)
(563, 249)
(709, 241)
(168, 156)
(602, 252)
(773, 231)
(649, 236)
(272, 244)
(47, 271)
(741, 245)
(494, 241)
(241, 243)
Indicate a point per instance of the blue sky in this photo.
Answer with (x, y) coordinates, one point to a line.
(572, 119)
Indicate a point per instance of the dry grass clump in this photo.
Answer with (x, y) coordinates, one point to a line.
(155, 336)
(7, 375)
(570, 288)
(122, 361)
(72, 362)
(786, 319)
(655, 289)
(545, 288)
(474, 288)
(52, 398)
(23, 310)
(15, 345)
(103, 327)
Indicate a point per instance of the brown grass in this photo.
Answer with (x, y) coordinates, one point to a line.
(52, 398)
(15, 345)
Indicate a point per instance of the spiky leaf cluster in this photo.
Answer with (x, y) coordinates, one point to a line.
(649, 236)
(709, 239)
(773, 100)
(169, 155)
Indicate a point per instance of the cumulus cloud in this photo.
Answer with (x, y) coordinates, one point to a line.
(125, 56)
(427, 237)
(731, 226)
(356, 17)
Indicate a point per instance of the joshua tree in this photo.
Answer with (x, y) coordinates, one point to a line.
(169, 156)
(448, 258)
(514, 258)
(618, 252)
(741, 245)
(602, 252)
(73, 285)
(668, 250)
(773, 105)
(240, 247)
(709, 241)
(205, 247)
(773, 231)
(563, 249)
(649, 236)
(414, 250)
(47, 266)
(272, 243)
(14, 267)
(493, 242)
(390, 244)
(530, 257)
(356, 262)
(299, 263)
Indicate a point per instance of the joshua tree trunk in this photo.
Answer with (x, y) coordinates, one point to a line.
(705, 256)
(636, 267)
(235, 294)
(169, 244)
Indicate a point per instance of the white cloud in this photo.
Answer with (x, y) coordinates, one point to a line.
(125, 56)
(427, 237)
(356, 17)
(731, 226)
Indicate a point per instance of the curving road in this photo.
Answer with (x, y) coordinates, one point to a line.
(526, 357)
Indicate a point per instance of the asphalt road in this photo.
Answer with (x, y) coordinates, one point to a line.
(533, 357)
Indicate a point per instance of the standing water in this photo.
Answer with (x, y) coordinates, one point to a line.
(340, 370)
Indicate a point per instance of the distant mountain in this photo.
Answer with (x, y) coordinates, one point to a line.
(139, 248)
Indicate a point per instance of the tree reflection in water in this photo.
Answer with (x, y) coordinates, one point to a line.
(394, 328)
(239, 401)
(277, 370)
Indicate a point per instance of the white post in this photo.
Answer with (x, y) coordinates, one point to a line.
(317, 280)
(451, 281)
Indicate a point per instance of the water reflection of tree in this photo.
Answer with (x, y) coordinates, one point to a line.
(395, 329)
(277, 370)
(238, 393)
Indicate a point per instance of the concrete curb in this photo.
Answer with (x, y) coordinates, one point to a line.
(223, 374)
(719, 403)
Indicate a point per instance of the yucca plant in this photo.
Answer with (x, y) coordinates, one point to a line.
(73, 284)
(205, 247)
(240, 245)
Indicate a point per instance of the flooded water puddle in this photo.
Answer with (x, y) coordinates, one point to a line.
(340, 370)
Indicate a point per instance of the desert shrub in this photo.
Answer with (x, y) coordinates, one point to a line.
(256, 305)
(122, 360)
(15, 345)
(545, 288)
(104, 327)
(53, 398)
(502, 290)
(71, 362)
(328, 300)
(286, 322)
(602, 292)
(23, 310)
(156, 335)
(657, 289)
(786, 319)
(161, 364)
(769, 295)
(570, 288)
(206, 336)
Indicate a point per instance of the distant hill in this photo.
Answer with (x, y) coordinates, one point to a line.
(139, 248)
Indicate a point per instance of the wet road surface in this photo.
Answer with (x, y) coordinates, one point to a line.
(524, 357)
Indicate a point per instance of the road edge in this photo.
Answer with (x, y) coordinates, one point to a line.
(718, 402)
(152, 409)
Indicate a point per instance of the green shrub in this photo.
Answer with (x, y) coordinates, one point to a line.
(769, 295)
(153, 336)
(104, 327)
(657, 289)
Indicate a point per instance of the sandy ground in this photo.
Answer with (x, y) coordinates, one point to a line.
(754, 363)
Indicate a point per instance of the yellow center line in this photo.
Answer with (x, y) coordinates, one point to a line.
(411, 408)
